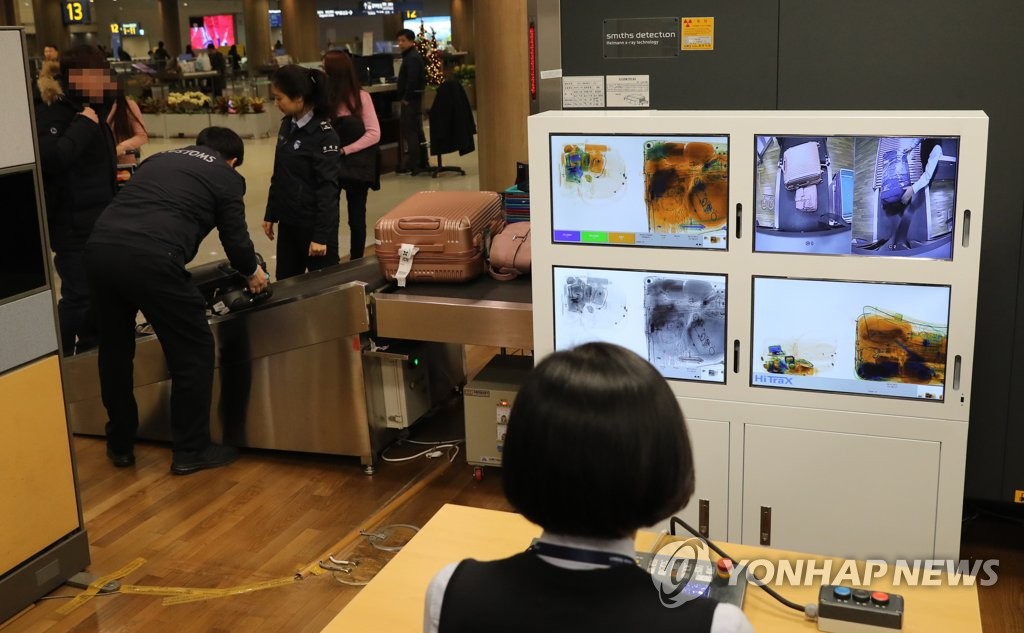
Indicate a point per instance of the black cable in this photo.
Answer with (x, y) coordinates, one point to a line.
(752, 579)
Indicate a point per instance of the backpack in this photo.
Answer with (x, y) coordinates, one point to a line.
(895, 177)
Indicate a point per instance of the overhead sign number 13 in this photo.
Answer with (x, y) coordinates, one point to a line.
(75, 12)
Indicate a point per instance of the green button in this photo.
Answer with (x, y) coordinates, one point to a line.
(594, 236)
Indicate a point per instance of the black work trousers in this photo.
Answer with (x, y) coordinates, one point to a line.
(123, 281)
(355, 195)
(77, 326)
(293, 256)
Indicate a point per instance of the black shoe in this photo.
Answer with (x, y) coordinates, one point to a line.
(401, 170)
(119, 460)
(213, 456)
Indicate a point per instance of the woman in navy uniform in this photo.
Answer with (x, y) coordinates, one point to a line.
(596, 448)
(304, 190)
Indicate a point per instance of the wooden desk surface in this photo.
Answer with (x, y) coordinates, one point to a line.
(393, 601)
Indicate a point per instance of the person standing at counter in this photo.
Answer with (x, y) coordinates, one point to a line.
(160, 56)
(355, 121)
(412, 81)
(630, 466)
(136, 260)
(219, 65)
(303, 198)
(234, 59)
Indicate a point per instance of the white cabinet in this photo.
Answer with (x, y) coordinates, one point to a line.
(709, 505)
(15, 127)
(842, 494)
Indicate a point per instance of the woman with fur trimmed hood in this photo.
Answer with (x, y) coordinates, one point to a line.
(76, 151)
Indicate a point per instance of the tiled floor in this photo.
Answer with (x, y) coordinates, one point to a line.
(259, 165)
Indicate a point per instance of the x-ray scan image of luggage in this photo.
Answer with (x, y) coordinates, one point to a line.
(687, 186)
(594, 302)
(592, 170)
(685, 325)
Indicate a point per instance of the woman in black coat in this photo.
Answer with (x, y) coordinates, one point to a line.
(78, 159)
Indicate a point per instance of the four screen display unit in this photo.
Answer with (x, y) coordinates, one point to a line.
(868, 196)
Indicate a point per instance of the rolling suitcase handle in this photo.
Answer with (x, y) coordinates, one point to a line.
(419, 223)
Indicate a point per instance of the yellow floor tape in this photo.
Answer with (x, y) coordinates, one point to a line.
(99, 583)
(208, 594)
(184, 595)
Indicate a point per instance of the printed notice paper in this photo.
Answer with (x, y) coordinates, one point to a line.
(629, 91)
(583, 92)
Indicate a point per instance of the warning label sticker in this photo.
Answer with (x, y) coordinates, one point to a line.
(698, 34)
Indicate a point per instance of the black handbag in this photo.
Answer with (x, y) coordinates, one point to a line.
(362, 167)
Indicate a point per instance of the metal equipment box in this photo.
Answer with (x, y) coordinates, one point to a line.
(488, 400)
(404, 383)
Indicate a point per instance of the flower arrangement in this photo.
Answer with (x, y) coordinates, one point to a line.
(465, 74)
(187, 102)
(257, 104)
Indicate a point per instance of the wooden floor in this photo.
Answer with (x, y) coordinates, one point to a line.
(273, 513)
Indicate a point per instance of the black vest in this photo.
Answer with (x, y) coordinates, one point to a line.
(525, 593)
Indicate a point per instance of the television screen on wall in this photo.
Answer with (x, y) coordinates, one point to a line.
(866, 338)
(218, 30)
(441, 24)
(674, 320)
(669, 191)
(892, 196)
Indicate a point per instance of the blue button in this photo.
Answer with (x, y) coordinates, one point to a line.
(841, 592)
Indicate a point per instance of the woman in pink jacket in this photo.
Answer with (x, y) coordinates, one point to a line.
(356, 123)
(125, 119)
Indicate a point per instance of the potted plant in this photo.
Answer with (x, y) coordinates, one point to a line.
(465, 74)
(243, 114)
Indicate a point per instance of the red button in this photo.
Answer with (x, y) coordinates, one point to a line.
(724, 567)
(879, 597)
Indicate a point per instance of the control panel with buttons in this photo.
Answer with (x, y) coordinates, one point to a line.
(847, 610)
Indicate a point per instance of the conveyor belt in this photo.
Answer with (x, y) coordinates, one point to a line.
(482, 312)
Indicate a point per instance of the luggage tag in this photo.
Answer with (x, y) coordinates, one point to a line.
(406, 253)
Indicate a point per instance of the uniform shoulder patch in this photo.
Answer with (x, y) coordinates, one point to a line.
(326, 126)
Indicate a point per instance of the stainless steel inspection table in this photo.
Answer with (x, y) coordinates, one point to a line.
(482, 312)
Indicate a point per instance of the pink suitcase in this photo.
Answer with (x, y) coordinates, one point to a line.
(801, 165)
(438, 236)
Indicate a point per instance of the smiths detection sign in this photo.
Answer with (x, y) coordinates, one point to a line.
(641, 37)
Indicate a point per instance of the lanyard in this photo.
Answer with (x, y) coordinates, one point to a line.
(593, 557)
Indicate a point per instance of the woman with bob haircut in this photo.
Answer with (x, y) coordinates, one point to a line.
(303, 197)
(596, 448)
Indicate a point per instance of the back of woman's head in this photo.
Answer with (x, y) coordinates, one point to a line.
(344, 82)
(310, 84)
(596, 445)
(81, 57)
